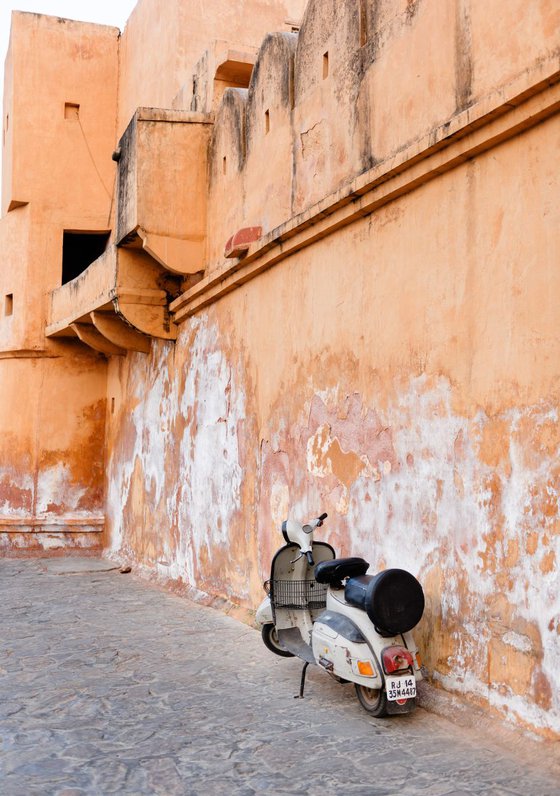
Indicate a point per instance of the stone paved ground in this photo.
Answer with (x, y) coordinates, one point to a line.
(111, 686)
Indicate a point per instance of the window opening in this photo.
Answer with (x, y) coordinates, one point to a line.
(231, 74)
(71, 111)
(80, 249)
(363, 23)
(267, 122)
(224, 165)
(325, 65)
(9, 304)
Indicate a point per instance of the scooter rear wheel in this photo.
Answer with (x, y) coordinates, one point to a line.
(374, 700)
(270, 639)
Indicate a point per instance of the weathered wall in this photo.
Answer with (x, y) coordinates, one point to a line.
(57, 167)
(397, 368)
(356, 92)
(60, 97)
(52, 415)
(164, 39)
(418, 407)
(62, 121)
(399, 371)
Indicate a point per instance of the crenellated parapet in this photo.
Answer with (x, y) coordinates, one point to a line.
(265, 151)
(340, 114)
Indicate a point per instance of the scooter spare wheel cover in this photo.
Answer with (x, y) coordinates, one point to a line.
(396, 601)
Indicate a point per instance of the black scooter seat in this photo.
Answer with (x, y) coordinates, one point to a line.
(335, 571)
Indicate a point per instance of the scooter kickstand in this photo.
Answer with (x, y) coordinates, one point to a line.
(302, 684)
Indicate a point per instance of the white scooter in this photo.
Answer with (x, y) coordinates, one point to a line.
(326, 610)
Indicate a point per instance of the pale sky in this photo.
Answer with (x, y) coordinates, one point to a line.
(107, 12)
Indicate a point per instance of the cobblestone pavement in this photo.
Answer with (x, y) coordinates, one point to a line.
(111, 686)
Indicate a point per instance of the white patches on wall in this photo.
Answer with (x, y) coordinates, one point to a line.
(120, 466)
(419, 518)
(57, 491)
(193, 481)
(117, 486)
(16, 490)
(457, 517)
(210, 469)
(279, 503)
(517, 641)
(419, 496)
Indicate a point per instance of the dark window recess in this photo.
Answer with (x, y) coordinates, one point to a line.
(363, 22)
(9, 304)
(80, 249)
(71, 111)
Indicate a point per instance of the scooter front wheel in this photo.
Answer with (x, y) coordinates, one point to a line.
(374, 700)
(270, 639)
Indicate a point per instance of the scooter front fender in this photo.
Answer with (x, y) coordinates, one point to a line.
(264, 612)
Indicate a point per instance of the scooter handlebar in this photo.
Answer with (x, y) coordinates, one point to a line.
(294, 533)
(316, 523)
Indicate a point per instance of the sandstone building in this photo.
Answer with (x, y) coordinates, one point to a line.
(267, 258)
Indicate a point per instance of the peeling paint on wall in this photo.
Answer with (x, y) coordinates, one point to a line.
(386, 352)
(16, 492)
(182, 463)
(460, 503)
(213, 406)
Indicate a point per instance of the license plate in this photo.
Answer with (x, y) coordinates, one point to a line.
(400, 688)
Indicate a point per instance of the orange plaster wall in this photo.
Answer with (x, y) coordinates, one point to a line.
(400, 374)
(59, 168)
(15, 245)
(52, 415)
(71, 62)
(421, 64)
(58, 174)
(164, 39)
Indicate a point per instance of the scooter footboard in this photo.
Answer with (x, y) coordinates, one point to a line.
(291, 639)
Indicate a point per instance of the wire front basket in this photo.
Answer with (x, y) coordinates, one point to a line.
(299, 594)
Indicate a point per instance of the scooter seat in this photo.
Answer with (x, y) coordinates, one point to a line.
(339, 568)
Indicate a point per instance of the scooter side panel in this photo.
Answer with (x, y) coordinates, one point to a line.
(337, 603)
(340, 656)
(264, 612)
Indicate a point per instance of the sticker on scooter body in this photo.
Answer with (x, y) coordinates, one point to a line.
(400, 688)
